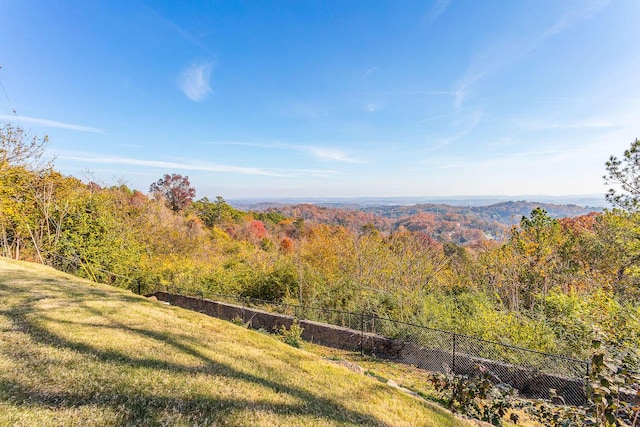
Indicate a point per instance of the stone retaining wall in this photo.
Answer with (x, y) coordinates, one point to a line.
(530, 383)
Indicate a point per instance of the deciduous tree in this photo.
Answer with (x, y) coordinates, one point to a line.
(17, 148)
(175, 189)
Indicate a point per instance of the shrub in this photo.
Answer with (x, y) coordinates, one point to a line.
(238, 321)
(273, 286)
(293, 335)
(475, 397)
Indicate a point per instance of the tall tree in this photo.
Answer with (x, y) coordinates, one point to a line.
(175, 189)
(625, 174)
(17, 148)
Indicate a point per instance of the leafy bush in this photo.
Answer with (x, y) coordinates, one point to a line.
(607, 377)
(293, 335)
(238, 321)
(475, 397)
(274, 285)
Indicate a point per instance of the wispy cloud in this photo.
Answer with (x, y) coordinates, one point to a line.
(438, 8)
(329, 154)
(465, 124)
(177, 29)
(575, 15)
(194, 166)
(369, 72)
(320, 153)
(372, 107)
(583, 124)
(460, 94)
(194, 81)
(50, 123)
(497, 57)
(598, 98)
(496, 161)
(554, 156)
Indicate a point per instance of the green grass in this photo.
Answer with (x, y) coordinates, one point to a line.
(74, 352)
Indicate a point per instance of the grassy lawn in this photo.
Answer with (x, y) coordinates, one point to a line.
(406, 376)
(74, 352)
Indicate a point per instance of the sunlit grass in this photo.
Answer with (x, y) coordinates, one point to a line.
(78, 353)
(406, 376)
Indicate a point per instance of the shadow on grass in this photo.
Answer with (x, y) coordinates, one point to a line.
(23, 282)
(141, 408)
(147, 409)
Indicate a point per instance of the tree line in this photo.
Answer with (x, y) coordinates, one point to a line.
(547, 286)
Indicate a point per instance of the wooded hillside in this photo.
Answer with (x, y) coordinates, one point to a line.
(547, 286)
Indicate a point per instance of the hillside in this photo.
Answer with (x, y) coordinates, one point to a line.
(446, 223)
(74, 352)
(507, 213)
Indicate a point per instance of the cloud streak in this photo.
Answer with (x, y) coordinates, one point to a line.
(204, 167)
(329, 154)
(465, 124)
(50, 123)
(590, 124)
(574, 16)
(369, 72)
(320, 153)
(437, 9)
(194, 81)
(497, 57)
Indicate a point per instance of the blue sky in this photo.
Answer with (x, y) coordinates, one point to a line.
(328, 98)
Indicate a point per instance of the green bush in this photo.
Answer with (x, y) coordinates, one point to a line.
(293, 335)
(475, 397)
(281, 282)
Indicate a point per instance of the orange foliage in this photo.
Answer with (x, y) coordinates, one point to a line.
(580, 223)
(286, 245)
(257, 229)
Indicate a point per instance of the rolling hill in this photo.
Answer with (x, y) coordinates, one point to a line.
(445, 223)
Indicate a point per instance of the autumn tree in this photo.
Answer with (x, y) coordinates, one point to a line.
(175, 189)
(215, 213)
(21, 171)
(17, 148)
(625, 174)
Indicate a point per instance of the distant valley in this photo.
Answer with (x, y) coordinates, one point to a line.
(457, 223)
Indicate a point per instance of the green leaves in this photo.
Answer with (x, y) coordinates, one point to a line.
(608, 376)
(624, 174)
(476, 397)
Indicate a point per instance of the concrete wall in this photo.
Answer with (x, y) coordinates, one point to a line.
(529, 383)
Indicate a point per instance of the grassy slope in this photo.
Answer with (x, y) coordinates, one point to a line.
(79, 353)
(406, 376)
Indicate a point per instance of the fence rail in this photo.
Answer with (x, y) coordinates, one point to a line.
(532, 372)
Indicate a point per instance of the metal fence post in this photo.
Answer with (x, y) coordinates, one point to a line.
(586, 382)
(453, 355)
(362, 333)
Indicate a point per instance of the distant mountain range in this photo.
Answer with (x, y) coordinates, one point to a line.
(461, 221)
(584, 200)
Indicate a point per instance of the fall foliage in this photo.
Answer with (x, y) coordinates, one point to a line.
(544, 286)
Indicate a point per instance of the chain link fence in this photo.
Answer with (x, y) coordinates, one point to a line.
(531, 372)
